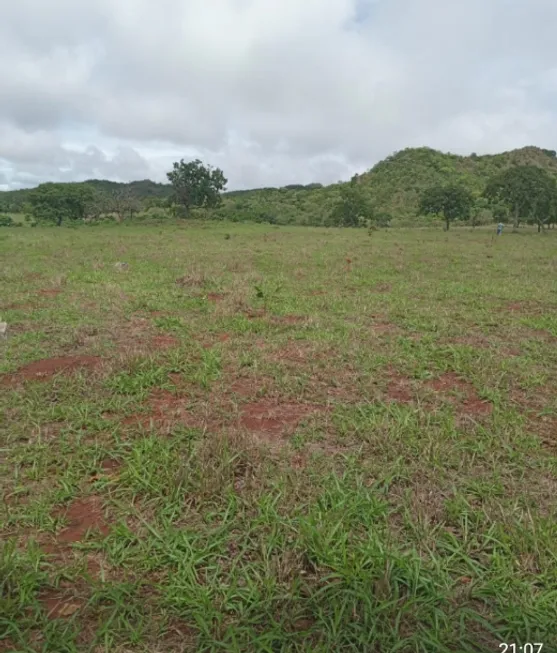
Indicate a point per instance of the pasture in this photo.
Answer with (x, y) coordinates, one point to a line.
(253, 438)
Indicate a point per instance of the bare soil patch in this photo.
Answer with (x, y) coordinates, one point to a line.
(219, 338)
(399, 388)
(215, 296)
(528, 307)
(461, 393)
(166, 411)
(384, 327)
(58, 604)
(50, 292)
(19, 307)
(294, 352)
(254, 313)
(250, 386)
(45, 369)
(288, 319)
(83, 515)
(269, 420)
(164, 342)
(110, 465)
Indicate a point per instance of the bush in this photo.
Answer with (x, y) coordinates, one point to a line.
(6, 221)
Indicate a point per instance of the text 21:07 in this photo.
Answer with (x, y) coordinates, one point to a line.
(526, 648)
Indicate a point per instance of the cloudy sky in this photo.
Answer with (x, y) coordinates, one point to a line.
(272, 91)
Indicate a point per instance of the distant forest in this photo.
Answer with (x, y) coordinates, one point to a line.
(393, 188)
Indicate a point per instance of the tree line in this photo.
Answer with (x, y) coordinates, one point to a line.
(520, 193)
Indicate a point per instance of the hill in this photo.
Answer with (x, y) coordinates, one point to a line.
(145, 189)
(393, 186)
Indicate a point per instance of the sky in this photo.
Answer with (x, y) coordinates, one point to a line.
(272, 91)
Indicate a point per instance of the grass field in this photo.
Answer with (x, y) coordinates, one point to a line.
(277, 439)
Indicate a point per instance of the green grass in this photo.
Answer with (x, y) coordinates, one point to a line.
(402, 499)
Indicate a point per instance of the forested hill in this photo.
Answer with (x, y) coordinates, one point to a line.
(393, 186)
(396, 183)
(142, 190)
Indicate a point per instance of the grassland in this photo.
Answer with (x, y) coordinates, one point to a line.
(277, 439)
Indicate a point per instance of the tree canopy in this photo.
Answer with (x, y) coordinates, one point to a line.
(352, 209)
(196, 185)
(452, 202)
(527, 192)
(57, 203)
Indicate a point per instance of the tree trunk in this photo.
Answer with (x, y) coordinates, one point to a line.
(516, 219)
(448, 223)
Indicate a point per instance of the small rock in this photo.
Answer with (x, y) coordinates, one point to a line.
(121, 267)
(3, 330)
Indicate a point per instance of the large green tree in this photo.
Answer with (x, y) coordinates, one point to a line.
(352, 209)
(57, 203)
(196, 185)
(452, 202)
(527, 192)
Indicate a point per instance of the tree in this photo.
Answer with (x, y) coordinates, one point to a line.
(481, 213)
(353, 208)
(527, 192)
(196, 185)
(452, 202)
(123, 203)
(56, 203)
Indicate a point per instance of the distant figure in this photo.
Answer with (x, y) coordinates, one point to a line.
(500, 228)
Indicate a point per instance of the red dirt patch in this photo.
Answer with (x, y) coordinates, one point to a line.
(294, 352)
(164, 342)
(221, 337)
(254, 313)
(382, 327)
(270, 420)
(526, 307)
(166, 410)
(48, 367)
(20, 307)
(57, 605)
(215, 296)
(249, 386)
(50, 292)
(288, 319)
(110, 465)
(449, 384)
(399, 388)
(83, 515)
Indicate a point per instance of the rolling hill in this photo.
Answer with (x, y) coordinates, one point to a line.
(394, 186)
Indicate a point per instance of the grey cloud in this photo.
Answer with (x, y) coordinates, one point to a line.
(274, 91)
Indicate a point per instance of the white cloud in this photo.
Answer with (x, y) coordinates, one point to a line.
(273, 91)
